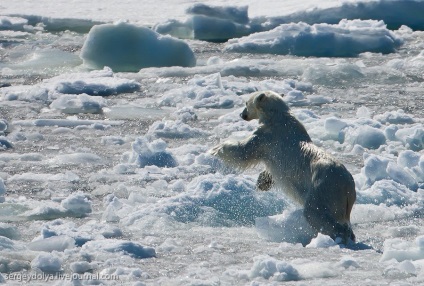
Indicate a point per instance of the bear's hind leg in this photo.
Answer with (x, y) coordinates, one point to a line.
(323, 221)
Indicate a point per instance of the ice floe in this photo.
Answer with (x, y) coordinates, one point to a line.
(126, 47)
(346, 39)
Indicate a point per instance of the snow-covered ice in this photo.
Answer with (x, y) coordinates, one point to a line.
(106, 122)
(346, 39)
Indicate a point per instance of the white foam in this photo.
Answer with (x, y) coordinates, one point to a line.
(290, 226)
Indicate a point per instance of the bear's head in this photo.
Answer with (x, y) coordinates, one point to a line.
(264, 105)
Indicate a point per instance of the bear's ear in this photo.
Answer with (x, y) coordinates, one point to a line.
(282, 95)
(261, 97)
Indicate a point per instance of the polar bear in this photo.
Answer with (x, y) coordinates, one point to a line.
(308, 175)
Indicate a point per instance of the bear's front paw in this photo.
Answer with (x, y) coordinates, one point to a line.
(264, 182)
(217, 150)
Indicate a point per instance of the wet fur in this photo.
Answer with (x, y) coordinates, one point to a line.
(307, 174)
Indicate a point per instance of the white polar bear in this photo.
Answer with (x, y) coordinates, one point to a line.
(308, 175)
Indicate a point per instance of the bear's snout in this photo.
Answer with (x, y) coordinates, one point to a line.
(243, 115)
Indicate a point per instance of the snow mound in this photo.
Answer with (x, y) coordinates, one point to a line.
(98, 82)
(124, 247)
(145, 153)
(346, 39)
(402, 250)
(127, 48)
(82, 103)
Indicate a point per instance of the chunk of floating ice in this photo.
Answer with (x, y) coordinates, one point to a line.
(209, 23)
(233, 13)
(345, 39)
(77, 203)
(367, 137)
(8, 244)
(42, 177)
(64, 122)
(9, 231)
(174, 129)
(97, 82)
(146, 153)
(402, 270)
(321, 241)
(82, 266)
(4, 143)
(2, 191)
(76, 159)
(127, 48)
(136, 112)
(273, 269)
(125, 247)
(82, 103)
(12, 23)
(47, 262)
(402, 250)
(54, 243)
